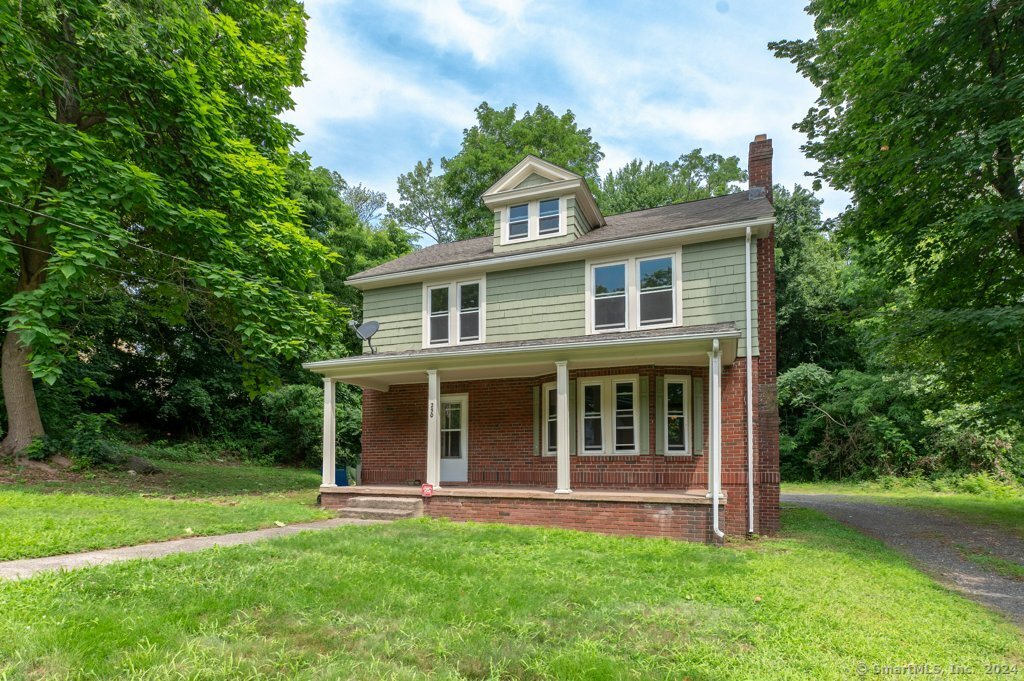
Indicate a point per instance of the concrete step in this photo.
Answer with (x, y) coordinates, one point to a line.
(391, 503)
(379, 513)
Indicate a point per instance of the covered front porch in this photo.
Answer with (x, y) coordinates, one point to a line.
(524, 451)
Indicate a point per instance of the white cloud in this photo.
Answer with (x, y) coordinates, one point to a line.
(347, 83)
(479, 27)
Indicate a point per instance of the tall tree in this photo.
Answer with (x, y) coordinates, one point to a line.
(636, 186)
(813, 313)
(144, 151)
(921, 117)
(447, 206)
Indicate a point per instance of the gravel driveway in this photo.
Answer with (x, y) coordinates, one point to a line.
(934, 541)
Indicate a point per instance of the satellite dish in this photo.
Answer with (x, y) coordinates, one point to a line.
(365, 331)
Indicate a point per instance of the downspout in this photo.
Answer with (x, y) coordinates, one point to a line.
(714, 470)
(750, 396)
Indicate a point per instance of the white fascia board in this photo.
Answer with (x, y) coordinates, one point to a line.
(535, 192)
(569, 253)
(379, 365)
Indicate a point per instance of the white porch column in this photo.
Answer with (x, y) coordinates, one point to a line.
(562, 452)
(715, 430)
(433, 429)
(330, 434)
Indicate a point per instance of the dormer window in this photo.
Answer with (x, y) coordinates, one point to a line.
(533, 220)
(519, 221)
(549, 223)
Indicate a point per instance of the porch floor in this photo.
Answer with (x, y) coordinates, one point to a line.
(631, 496)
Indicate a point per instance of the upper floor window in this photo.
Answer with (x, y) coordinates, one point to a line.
(453, 313)
(519, 221)
(635, 293)
(548, 217)
(533, 220)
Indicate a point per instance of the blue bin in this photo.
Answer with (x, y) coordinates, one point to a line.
(341, 476)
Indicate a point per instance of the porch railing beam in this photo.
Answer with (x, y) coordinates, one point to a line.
(563, 476)
(330, 434)
(433, 429)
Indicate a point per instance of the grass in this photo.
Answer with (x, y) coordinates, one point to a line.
(1005, 511)
(80, 512)
(433, 599)
(990, 561)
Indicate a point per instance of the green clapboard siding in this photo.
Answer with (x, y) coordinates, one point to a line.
(532, 181)
(713, 285)
(399, 310)
(535, 302)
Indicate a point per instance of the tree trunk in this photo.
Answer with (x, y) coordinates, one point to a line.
(23, 421)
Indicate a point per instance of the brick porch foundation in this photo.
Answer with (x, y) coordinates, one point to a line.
(684, 516)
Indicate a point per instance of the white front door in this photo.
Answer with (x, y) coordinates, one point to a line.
(454, 438)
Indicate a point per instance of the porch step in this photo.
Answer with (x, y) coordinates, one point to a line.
(382, 508)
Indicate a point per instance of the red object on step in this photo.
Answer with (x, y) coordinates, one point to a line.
(427, 490)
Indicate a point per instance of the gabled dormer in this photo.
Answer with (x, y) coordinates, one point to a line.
(538, 203)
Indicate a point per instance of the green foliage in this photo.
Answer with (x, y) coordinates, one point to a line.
(812, 307)
(692, 176)
(859, 425)
(447, 207)
(921, 117)
(295, 416)
(156, 125)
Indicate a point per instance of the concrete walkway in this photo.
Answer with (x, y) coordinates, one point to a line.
(936, 542)
(19, 569)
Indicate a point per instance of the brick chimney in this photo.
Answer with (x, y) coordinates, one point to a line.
(759, 164)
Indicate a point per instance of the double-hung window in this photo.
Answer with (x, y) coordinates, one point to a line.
(550, 426)
(609, 286)
(453, 313)
(549, 211)
(519, 221)
(538, 219)
(677, 400)
(635, 293)
(609, 415)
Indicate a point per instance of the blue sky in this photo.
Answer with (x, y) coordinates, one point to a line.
(392, 82)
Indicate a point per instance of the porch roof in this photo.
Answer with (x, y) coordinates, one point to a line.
(671, 346)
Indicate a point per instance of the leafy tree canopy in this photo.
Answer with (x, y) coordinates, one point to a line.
(921, 117)
(137, 129)
(447, 207)
(692, 176)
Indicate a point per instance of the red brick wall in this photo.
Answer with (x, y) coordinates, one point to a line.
(501, 439)
(677, 521)
(766, 476)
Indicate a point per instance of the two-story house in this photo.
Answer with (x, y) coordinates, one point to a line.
(611, 373)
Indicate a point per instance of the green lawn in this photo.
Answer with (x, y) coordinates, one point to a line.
(1005, 511)
(433, 599)
(101, 510)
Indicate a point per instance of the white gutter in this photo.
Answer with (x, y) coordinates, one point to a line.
(561, 254)
(715, 464)
(750, 396)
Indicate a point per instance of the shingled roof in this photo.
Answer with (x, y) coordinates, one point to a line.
(729, 208)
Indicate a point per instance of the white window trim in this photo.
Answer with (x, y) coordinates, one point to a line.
(633, 290)
(687, 382)
(533, 232)
(545, 405)
(607, 384)
(454, 294)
